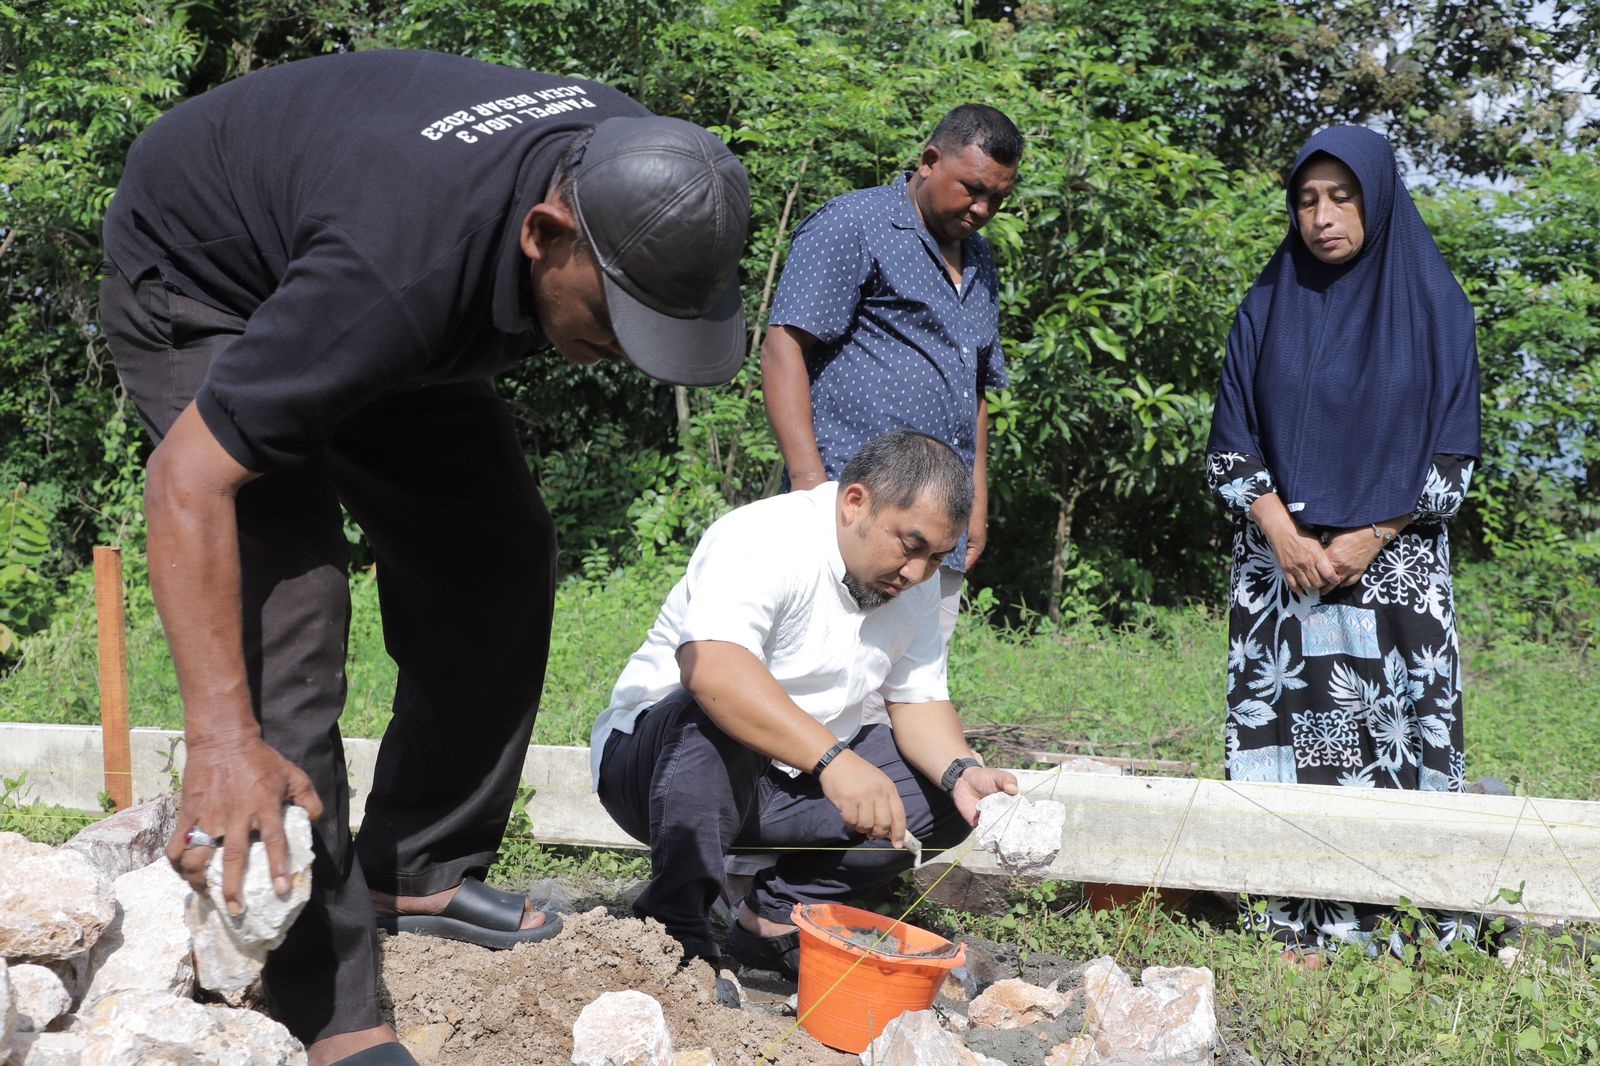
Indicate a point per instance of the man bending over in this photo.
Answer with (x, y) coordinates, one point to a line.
(738, 722)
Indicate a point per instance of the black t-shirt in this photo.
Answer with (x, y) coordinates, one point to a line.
(362, 212)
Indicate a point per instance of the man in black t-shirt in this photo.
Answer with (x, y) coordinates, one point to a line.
(312, 273)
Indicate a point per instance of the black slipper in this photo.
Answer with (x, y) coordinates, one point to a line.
(380, 1055)
(778, 953)
(478, 915)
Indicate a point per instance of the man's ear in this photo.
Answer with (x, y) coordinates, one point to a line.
(854, 501)
(930, 156)
(546, 225)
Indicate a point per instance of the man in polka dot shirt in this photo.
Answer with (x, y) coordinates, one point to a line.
(887, 315)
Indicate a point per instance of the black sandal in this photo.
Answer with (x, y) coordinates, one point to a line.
(778, 953)
(477, 914)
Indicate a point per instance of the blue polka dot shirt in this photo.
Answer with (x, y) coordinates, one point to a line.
(897, 344)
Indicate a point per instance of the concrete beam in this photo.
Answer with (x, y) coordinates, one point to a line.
(1444, 851)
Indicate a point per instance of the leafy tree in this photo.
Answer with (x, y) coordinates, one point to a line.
(1148, 200)
(1526, 259)
(78, 80)
(1460, 85)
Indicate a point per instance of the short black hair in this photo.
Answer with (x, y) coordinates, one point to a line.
(561, 183)
(982, 125)
(897, 467)
(567, 162)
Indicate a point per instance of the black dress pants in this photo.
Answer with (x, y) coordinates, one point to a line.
(436, 478)
(683, 786)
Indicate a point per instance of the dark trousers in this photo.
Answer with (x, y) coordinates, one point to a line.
(465, 550)
(683, 786)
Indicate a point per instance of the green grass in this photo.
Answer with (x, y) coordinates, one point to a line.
(1438, 1007)
(1152, 691)
(47, 824)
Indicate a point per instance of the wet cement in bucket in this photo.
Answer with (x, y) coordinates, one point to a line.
(880, 942)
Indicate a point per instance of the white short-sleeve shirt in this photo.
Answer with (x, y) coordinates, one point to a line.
(769, 577)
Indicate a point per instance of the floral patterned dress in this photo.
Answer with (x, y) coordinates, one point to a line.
(1361, 687)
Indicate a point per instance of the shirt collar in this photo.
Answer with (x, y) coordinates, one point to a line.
(904, 213)
(904, 216)
(512, 310)
(827, 532)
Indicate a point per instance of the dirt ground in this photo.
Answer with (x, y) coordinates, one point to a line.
(457, 1003)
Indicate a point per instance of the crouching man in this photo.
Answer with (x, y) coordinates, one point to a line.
(738, 723)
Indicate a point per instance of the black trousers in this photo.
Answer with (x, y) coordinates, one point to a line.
(436, 478)
(683, 786)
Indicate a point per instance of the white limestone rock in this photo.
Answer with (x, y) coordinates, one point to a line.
(1168, 1021)
(53, 904)
(1074, 1051)
(916, 1038)
(72, 973)
(1014, 1003)
(229, 951)
(148, 947)
(38, 996)
(622, 1029)
(134, 1028)
(46, 1049)
(1023, 835)
(129, 840)
(8, 1008)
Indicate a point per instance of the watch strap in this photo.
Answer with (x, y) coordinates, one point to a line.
(827, 757)
(954, 771)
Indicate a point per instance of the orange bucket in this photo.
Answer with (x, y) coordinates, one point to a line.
(859, 971)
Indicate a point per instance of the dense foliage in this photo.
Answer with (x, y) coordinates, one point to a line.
(1149, 197)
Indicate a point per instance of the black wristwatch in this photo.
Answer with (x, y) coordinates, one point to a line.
(827, 757)
(953, 774)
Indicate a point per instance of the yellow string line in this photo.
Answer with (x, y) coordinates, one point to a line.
(1510, 839)
(1327, 845)
(1534, 860)
(1390, 800)
(1588, 891)
(1144, 903)
(1165, 854)
(1409, 892)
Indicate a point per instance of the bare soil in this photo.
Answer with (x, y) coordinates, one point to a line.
(458, 1003)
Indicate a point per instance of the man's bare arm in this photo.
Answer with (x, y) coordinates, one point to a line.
(786, 390)
(740, 695)
(232, 781)
(930, 737)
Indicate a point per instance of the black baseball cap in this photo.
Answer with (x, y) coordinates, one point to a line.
(666, 207)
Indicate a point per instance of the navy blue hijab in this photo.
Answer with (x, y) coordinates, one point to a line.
(1346, 380)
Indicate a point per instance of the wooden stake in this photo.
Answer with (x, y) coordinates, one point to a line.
(111, 629)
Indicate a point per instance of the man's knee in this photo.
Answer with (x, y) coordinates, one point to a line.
(676, 762)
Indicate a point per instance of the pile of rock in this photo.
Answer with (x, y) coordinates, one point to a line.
(1168, 1019)
(103, 950)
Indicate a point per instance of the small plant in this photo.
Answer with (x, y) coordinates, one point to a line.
(24, 545)
(42, 824)
(523, 860)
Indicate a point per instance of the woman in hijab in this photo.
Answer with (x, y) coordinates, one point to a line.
(1344, 438)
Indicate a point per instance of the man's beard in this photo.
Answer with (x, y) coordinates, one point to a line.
(865, 596)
